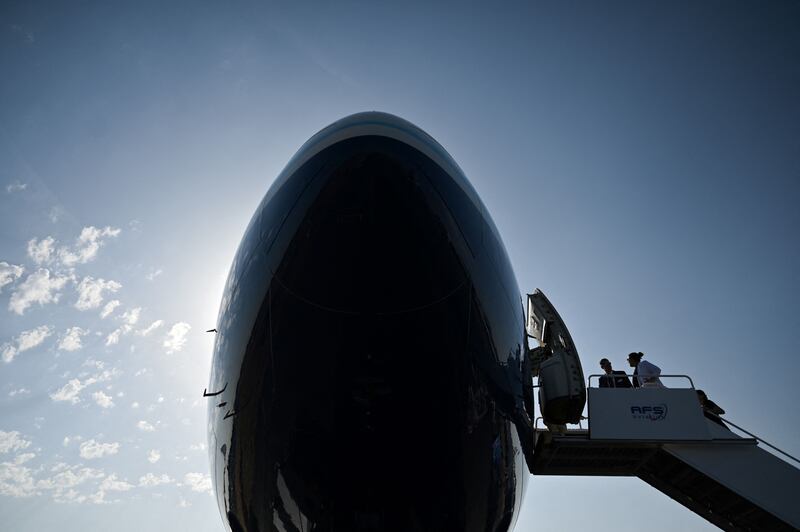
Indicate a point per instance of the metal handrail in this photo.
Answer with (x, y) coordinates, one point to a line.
(598, 375)
(761, 440)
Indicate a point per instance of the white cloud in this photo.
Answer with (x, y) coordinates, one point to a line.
(90, 292)
(135, 404)
(109, 308)
(12, 441)
(71, 390)
(8, 352)
(113, 337)
(25, 341)
(71, 341)
(16, 480)
(16, 186)
(110, 483)
(106, 375)
(41, 251)
(69, 495)
(176, 337)
(152, 327)
(93, 449)
(145, 426)
(198, 447)
(131, 317)
(183, 503)
(96, 498)
(153, 456)
(153, 274)
(23, 458)
(103, 400)
(38, 287)
(67, 477)
(87, 245)
(32, 338)
(9, 273)
(20, 391)
(150, 480)
(198, 482)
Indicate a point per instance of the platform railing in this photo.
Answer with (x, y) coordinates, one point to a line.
(631, 375)
(759, 439)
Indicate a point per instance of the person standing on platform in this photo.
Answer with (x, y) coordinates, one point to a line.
(613, 378)
(645, 374)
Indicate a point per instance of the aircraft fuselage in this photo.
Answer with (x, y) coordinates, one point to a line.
(370, 344)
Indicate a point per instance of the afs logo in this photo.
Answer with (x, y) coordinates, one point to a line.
(653, 413)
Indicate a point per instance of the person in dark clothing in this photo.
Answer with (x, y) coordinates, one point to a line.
(613, 378)
(710, 409)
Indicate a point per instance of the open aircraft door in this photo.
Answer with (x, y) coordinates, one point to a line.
(562, 391)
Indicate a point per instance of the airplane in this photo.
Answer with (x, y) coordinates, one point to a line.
(371, 366)
(371, 342)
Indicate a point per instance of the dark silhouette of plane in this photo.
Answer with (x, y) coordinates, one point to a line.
(370, 345)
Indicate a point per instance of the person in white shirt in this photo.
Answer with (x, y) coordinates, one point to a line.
(646, 373)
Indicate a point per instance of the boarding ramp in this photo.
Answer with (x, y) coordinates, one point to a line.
(662, 436)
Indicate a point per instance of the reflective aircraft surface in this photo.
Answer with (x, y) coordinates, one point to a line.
(367, 371)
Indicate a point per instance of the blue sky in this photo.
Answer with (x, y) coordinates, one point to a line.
(639, 159)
